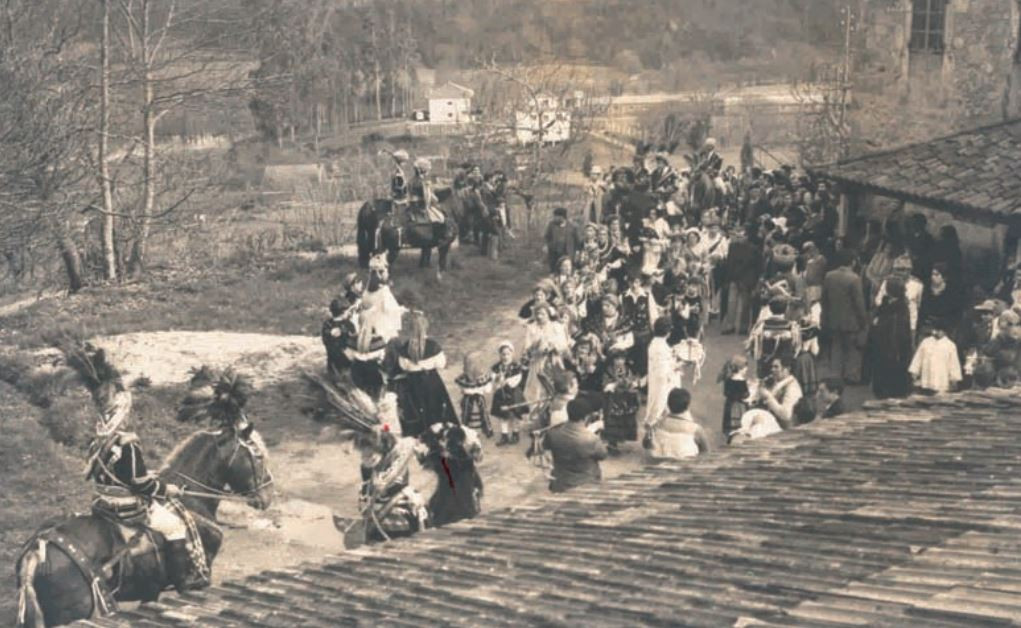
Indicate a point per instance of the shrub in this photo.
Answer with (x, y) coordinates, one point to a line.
(69, 421)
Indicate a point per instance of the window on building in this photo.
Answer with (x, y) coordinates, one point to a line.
(928, 20)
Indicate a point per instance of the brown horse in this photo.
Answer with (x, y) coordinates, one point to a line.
(53, 587)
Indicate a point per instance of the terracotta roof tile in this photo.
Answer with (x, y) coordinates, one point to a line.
(977, 170)
(906, 513)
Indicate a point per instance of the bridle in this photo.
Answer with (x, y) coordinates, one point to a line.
(255, 452)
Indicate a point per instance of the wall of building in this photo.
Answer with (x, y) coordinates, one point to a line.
(449, 110)
(982, 243)
(975, 81)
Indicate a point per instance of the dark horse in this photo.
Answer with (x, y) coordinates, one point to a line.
(53, 590)
(704, 193)
(380, 229)
(454, 460)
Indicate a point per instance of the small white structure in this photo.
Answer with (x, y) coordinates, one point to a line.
(546, 121)
(450, 103)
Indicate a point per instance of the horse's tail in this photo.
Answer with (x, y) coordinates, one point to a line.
(30, 613)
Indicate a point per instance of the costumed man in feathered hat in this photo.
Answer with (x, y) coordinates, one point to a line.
(124, 490)
(663, 181)
(709, 161)
(389, 506)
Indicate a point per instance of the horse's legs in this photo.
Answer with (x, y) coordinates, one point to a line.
(391, 256)
(426, 257)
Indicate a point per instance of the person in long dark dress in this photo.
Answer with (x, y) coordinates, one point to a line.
(620, 385)
(941, 299)
(421, 394)
(890, 346)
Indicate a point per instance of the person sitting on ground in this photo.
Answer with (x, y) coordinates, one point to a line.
(575, 449)
(829, 398)
(676, 434)
(782, 392)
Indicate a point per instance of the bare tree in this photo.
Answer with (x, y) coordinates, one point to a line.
(109, 252)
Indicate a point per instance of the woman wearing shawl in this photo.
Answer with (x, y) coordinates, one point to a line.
(546, 342)
(421, 394)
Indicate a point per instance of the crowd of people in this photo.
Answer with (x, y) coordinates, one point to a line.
(614, 336)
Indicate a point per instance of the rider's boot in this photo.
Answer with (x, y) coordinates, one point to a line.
(178, 561)
(515, 438)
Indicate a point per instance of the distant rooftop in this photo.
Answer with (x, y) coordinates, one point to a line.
(451, 90)
(905, 513)
(977, 170)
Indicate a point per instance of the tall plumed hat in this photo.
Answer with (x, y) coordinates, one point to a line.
(101, 378)
(339, 402)
(216, 397)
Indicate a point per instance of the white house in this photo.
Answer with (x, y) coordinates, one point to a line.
(450, 103)
(548, 115)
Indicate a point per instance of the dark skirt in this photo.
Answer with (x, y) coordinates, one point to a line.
(368, 377)
(503, 398)
(423, 400)
(733, 410)
(619, 415)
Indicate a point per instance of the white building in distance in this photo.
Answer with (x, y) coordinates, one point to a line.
(450, 103)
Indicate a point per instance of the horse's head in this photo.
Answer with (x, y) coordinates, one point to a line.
(229, 462)
(247, 466)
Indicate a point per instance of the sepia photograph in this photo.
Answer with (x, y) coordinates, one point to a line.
(484, 313)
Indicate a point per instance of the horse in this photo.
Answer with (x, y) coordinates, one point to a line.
(453, 457)
(379, 228)
(469, 211)
(80, 567)
(704, 193)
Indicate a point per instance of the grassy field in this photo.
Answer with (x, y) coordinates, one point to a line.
(280, 294)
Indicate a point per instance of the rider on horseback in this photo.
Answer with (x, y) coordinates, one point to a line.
(399, 180)
(709, 161)
(423, 200)
(125, 491)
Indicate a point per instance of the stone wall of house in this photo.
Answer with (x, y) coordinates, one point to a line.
(977, 80)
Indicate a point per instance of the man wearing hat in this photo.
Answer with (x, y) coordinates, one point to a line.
(562, 238)
(709, 161)
(576, 450)
(663, 178)
(844, 317)
(399, 181)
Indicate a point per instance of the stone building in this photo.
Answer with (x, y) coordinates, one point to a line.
(954, 63)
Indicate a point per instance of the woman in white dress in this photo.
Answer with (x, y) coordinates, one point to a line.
(545, 343)
(381, 308)
(664, 372)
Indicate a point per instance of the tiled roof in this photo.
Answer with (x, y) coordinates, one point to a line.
(905, 513)
(451, 90)
(977, 170)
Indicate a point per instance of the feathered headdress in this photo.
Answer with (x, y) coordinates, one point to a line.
(214, 396)
(343, 404)
(101, 378)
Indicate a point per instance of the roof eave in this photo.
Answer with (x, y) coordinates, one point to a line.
(956, 208)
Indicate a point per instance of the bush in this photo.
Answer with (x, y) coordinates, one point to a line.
(69, 421)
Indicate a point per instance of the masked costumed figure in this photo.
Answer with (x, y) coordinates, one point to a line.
(453, 452)
(421, 394)
(124, 489)
(378, 303)
(389, 506)
(475, 383)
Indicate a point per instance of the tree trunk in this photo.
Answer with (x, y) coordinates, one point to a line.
(72, 260)
(138, 252)
(109, 253)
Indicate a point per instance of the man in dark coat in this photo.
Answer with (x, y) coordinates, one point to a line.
(637, 205)
(844, 317)
(742, 270)
(830, 399)
(562, 238)
(576, 450)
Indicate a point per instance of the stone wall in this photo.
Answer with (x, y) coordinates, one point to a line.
(975, 82)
